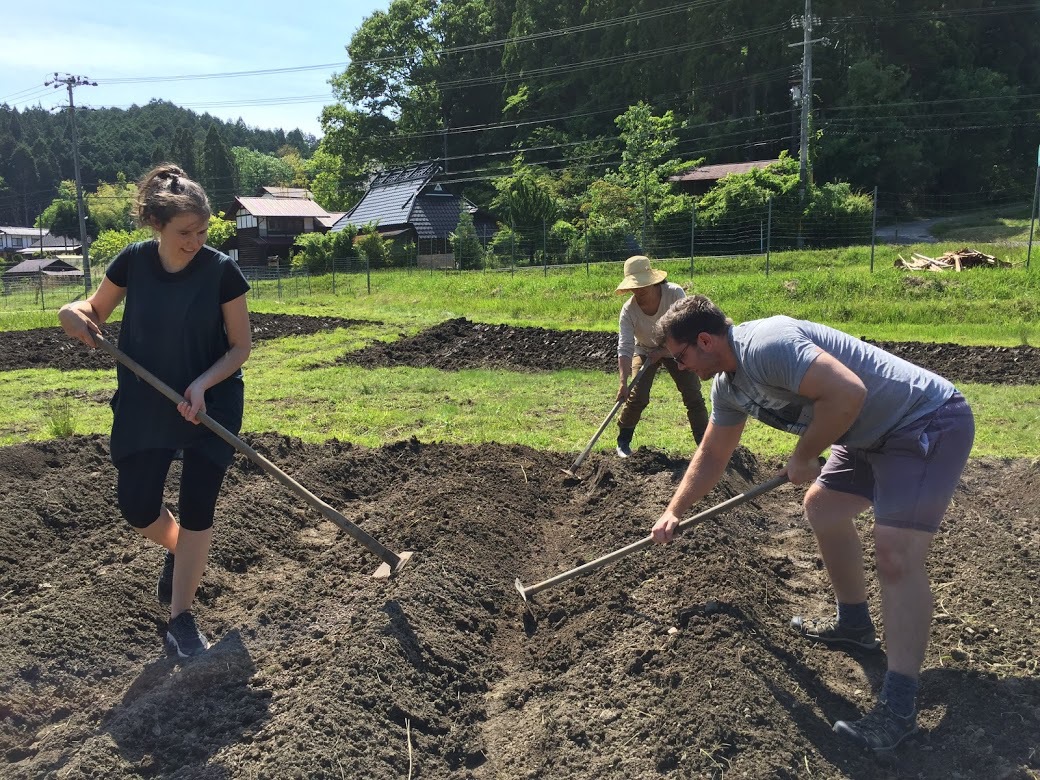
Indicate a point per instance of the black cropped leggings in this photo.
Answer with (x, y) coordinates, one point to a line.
(142, 478)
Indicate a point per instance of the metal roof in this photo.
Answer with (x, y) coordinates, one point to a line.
(281, 207)
(23, 231)
(332, 218)
(287, 192)
(715, 172)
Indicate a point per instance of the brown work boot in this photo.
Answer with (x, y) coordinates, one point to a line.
(829, 631)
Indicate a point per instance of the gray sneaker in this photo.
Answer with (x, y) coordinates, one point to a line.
(184, 638)
(830, 632)
(880, 729)
(164, 587)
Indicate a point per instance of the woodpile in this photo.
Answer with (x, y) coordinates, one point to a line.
(956, 261)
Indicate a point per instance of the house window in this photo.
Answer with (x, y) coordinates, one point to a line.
(16, 241)
(245, 220)
(284, 226)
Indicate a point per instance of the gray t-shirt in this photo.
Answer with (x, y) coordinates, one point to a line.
(773, 355)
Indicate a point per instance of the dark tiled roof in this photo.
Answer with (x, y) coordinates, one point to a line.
(45, 264)
(435, 216)
(390, 197)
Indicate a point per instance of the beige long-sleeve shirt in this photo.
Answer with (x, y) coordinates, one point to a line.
(636, 329)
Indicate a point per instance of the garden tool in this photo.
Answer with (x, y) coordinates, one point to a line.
(392, 562)
(591, 566)
(573, 470)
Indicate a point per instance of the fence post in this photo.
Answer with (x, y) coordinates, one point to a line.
(43, 302)
(278, 271)
(586, 250)
(769, 234)
(873, 231)
(1036, 189)
(334, 276)
(693, 235)
(368, 274)
(545, 250)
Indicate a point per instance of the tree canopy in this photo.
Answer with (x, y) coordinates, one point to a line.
(908, 96)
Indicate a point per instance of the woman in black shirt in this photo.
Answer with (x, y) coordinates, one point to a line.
(185, 319)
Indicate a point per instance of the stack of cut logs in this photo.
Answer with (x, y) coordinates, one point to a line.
(962, 258)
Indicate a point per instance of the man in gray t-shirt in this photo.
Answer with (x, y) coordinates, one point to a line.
(899, 438)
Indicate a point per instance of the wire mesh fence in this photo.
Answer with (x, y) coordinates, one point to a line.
(748, 236)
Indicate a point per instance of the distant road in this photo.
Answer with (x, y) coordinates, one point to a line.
(918, 231)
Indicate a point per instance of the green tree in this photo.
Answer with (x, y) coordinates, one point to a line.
(218, 168)
(529, 205)
(182, 151)
(329, 181)
(110, 243)
(112, 205)
(24, 176)
(256, 169)
(220, 229)
(297, 165)
(469, 252)
(373, 247)
(61, 217)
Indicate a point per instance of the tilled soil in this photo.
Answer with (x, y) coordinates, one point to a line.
(51, 348)
(673, 662)
(458, 344)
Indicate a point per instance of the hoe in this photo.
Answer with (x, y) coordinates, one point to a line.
(573, 470)
(757, 490)
(392, 562)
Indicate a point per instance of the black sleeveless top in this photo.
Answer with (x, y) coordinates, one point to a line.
(174, 327)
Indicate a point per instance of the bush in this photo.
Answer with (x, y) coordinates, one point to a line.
(374, 248)
(314, 253)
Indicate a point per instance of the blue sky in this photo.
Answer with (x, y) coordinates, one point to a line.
(116, 39)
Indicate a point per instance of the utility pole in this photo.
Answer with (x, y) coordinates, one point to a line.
(803, 147)
(70, 82)
(806, 23)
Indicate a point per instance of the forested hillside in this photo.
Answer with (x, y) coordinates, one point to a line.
(916, 97)
(36, 148)
(912, 96)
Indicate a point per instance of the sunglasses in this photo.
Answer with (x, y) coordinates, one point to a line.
(679, 358)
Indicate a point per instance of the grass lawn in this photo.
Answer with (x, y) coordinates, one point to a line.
(291, 387)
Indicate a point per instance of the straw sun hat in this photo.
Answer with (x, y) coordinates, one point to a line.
(638, 273)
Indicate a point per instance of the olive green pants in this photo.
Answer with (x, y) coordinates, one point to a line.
(689, 387)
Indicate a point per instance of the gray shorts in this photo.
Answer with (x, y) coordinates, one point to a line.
(911, 477)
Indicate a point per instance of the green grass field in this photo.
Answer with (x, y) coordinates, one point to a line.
(995, 225)
(561, 410)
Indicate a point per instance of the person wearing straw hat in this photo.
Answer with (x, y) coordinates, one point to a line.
(650, 297)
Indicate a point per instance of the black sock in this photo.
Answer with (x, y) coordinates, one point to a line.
(899, 692)
(854, 615)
